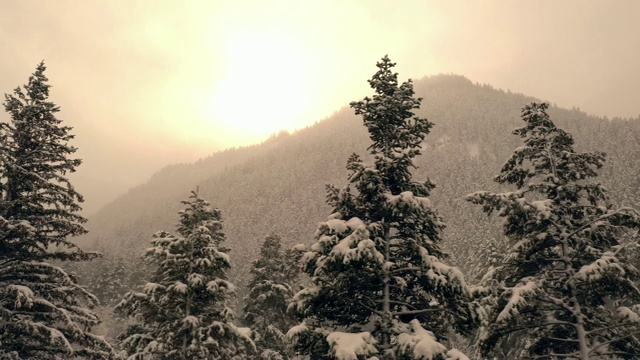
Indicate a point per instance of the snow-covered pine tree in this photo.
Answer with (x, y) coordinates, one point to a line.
(566, 288)
(380, 284)
(184, 312)
(44, 313)
(270, 292)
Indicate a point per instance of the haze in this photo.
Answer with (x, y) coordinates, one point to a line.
(150, 83)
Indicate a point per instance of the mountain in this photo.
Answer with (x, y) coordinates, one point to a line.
(278, 187)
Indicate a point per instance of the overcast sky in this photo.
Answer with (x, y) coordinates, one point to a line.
(150, 83)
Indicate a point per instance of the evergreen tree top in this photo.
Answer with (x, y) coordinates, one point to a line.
(549, 150)
(197, 214)
(395, 131)
(37, 89)
(271, 264)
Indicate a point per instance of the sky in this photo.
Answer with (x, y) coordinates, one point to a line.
(148, 83)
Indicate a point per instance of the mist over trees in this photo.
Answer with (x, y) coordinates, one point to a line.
(382, 277)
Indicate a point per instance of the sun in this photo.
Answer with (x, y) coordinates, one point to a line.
(264, 89)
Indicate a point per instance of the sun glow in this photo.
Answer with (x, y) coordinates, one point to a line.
(264, 89)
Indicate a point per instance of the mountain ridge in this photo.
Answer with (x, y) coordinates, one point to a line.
(278, 186)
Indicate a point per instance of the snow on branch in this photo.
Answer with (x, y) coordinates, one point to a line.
(301, 298)
(196, 279)
(455, 354)
(518, 292)
(407, 197)
(348, 346)
(606, 263)
(55, 335)
(191, 322)
(419, 344)
(297, 330)
(178, 287)
(337, 225)
(150, 288)
(543, 208)
(24, 295)
(440, 272)
(356, 246)
(340, 226)
(632, 314)
(220, 285)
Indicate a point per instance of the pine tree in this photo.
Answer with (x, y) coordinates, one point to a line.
(44, 313)
(184, 311)
(107, 279)
(380, 284)
(565, 288)
(270, 292)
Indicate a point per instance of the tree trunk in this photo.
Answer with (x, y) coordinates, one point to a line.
(187, 308)
(582, 334)
(577, 311)
(386, 297)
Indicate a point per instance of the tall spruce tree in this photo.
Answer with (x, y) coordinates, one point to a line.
(270, 292)
(380, 283)
(184, 311)
(44, 313)
(566, 288)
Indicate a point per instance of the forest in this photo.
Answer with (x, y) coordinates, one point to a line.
(436, 219)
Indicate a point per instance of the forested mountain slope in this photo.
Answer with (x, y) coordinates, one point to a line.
(278, 187)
